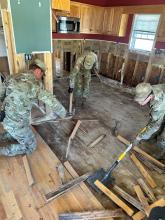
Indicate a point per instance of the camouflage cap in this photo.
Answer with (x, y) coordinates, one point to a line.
(40, 64)
(142, 91)
(89, 60)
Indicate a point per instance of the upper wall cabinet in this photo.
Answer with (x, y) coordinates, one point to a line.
(91, 19)
(86, 18)
(108, 21)
(74, 10)
(97, 20)
(63, 5)
(123, 25)
(114, 21)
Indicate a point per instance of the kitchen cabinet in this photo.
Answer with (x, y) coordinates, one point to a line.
(123, 25)
(86, 18)
(63, 5)
(97, 18)
(108, 21)
(74, 10)
(114, 21)
(91, 19)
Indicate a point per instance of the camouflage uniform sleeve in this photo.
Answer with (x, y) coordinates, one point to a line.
(74, 73)
(157, 117)
(50, 100)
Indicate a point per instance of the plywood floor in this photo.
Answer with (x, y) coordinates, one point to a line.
(30, 201)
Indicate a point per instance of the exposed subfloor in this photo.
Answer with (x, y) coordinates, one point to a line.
(105, 104)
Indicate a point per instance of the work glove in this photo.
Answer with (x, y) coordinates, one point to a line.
(70, 90)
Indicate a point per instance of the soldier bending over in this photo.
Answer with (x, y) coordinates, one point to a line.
(18, 94)
(155, 97)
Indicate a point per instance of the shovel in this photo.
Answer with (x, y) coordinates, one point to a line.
(105, 176)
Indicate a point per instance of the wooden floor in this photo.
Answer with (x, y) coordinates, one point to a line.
(18, 200)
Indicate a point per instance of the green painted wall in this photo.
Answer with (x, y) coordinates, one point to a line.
(31, 24)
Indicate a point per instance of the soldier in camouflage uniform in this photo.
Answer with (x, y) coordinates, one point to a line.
(18, 94)
(80, 76)
(155, 96)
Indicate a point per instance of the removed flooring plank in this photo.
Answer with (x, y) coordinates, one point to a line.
(114, 198)
(137, 149)
(128, 197)
(92, 215)
(96, 141)
(66, 187)
(28, 170)
(83, 186)
(149, 163)
(142, 198)
(31, 200)
(73, 173)
(141, 215)
(11, 207)
(143, 171)
(148, 191)
(72, 136)
(75, 129)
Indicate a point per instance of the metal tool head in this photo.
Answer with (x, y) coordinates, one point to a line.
(115, 127)
(99, 175)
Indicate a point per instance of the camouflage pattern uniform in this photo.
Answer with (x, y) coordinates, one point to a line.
(22, 90)
(156, 124)
(80, 76)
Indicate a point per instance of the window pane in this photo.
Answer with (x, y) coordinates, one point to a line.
(141, 44)
(143, 32)
(146, 22)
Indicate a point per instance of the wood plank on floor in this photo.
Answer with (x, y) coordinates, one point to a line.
(11, 206)
(30, 200)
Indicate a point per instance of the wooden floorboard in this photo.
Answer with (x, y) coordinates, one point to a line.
(31, 200)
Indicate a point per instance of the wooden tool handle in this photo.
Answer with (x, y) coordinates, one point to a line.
(70, 102)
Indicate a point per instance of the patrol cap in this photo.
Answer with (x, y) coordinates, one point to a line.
(142, 91)
(89, 61)
(40, 64)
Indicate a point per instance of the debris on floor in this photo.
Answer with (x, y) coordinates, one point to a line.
(100, 128)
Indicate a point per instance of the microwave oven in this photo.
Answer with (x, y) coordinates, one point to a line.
(68, 25)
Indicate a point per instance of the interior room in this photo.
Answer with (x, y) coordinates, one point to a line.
(82, 98)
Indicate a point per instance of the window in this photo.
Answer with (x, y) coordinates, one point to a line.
(143, 32)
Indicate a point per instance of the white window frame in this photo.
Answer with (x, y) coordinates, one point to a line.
(131, 43)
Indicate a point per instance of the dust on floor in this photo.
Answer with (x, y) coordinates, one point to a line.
(106, 104)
